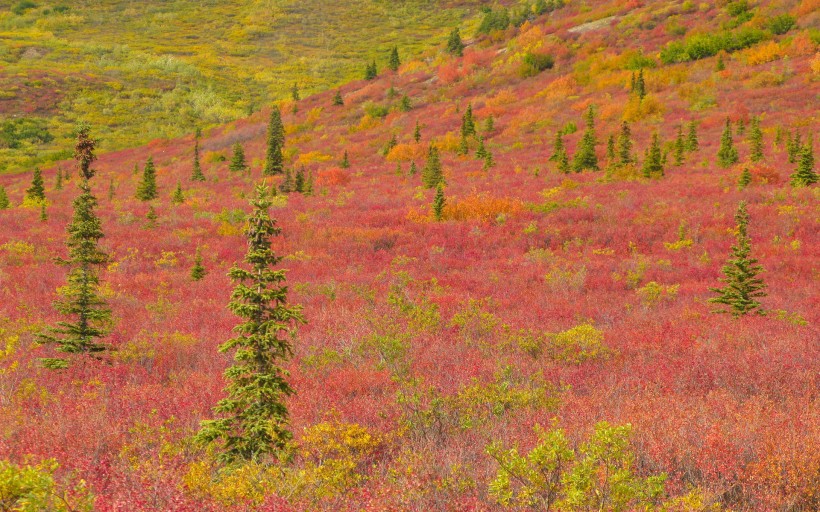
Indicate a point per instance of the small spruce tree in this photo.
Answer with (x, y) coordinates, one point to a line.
(432, 174)
(653, 161)
(371, 71)
(345, 161)
(252, 419)
(727, 154)
(489, 162)
(413, 169)
(147, 188)
(299, 181)
(151, 218)
(680, 147)
(196, 173)
(481, 152)
(625, 145)
(308, 189)
(58, 181)
(438, 203)
(178, 197)
(610, 149)
(417, 133)
(740, 274)
(793, 147)
(467, 122)
(286, 187)
(454, 44)
(198, 271)
(337, 99)
(405, 105)
(43, 212)
(489, 124)
(745, 178)
(4, 199)
(692, 144)
(755, 141)
(37, 191)
(294, 92)
(585, 157)
(640, 85)
(238, 159)
(393, 61)
(557, 147)
(805, 174)
(274, 159)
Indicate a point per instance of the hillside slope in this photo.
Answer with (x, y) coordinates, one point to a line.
(541, 298)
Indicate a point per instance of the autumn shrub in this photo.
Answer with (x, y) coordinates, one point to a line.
(653, 293)
(481, 206)
(407, 153)
(332, 177)
(763, 53)
(33, 488)
(577, 345)
(534, 63)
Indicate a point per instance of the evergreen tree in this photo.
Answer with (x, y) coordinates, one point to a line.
(147, 188)
(741, 126)
(308, 191)
(337, 99)
(727, 154)
(692, 144)
(392, 142)
(653, 164)
(80, 297)
(639, 87)
(454, 44)
(196, 174)
(720, 65)
(238, 159)
(743, 286)
(286, 187)
(345, 161)
(252, 420)
(4, 199)
(111, 189)
(178, 197)
(625, 145)
(610, 149)
(563, 161)
(198, 271)
(37, 191)
(405, 105)
(680, 147)
(755, 141)
(417, 133)
(274, 160)
(438, 203)
(557, 147)
(299, 181)
(432, 174)
(805, 174)
(371, 71)
(151, 218)
(43, 212)
(58, 182)
(413, 169)
(489, 124)
(793, 147)
(467, 122)
(489, 162)
(481, 152)
(745, 178)
(294, 92)
(585, 157)
(393, 61)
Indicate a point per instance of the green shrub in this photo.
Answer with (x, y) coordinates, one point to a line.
(534, 63)
(782, 23)
(32, 488)
(494, 20)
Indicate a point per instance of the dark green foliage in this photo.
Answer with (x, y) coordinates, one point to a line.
(58, 181)
(286, 187)
(371, 71)
(299, 181)
(680, 147)
(585, 157)
(653, 159)
(4, 199)
(308, 188)
(80, 296)
(481, 151)
(438, 203)
(196, 174)
(198, 271)
(463, 146)
(489, 162)
(413, 169)
(393, 61)
(692, 144)
(494, 19)
(782, 23)
(294, 92)
(557, 147)
(793, 147)
(405, 105)
(17, 131)
(417, 133)
(805, 174)
(43, 213)
(534, 63)
(178, 197)
(701, 46)
(238, 159)
(741, 126)
(639, 85)
(563, 161)
(489, 124)
(720, 65)
(745, 178)
(252, 420)
(727, 154)
(432, 174)
(467, 122)
(22, 6)
(151, 218)
(743, 286)
(755, 141)
(37, 190)
(610, 150)
(454, 44)
(147, 188)
(345, 164)
(337, 99)
(392, 142)
(274, 160)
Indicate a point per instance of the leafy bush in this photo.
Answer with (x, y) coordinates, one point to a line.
(782, 23)
(24, 129)
(701, 46)
(30, 488)
(376, 111)
(574, 346)
(495, 19)
(534, 63)
(22, 6)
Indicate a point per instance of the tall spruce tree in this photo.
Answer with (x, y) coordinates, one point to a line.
(196, 173)
(238, 159)
(467, 122)
(454, 44)
(805, 174)
(727, 153)
(4, 199)
(740, 274)
(432, 174)
(625, 145)
(37, 191)
(793, 147)
(252, 420)
(653, 160)
(680, 147)
(58, 181)
(393, 61)
(80, 298)
(417, 132)
(640, 85)
(692, 143)
(755, 141)
(147, 188)
(274, 159)
(585, 157)
(438, 203)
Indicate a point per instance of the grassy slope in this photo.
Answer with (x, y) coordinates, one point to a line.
(717, 404)
(151, 70)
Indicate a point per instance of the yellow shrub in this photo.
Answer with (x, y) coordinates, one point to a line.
(481, 206)
(763, 53)
(407, 152)
(448, 142)
(576, 345)
(312, 157)
(815, 65)
(652, 293)
(638, 109)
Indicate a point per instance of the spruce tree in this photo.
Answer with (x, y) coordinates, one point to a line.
(308, 190)
(743, 286)
(405, 105)
(417, 133)
(111, 189)
(274, 160)
(286, 187)
(4, 199)
(438, 203)
(299, 181)
(692, 144)
(58, 182)
(151, 218)
(196, 174)
(238, 159)
(557, 147)
(563, 161)
(393, 61)
(37, 191)
(252, 419)
(178, 197)
(337, 99)
(640, 85)
(432, 174)
(81, 298)
(489, 124)
(727, 154)
(793, 147)
(481, 152)
(653, 160)
(625, 145)
(371, 71)
(679, 149)
(454, 44)
(294, 92)
(413, 169)
(805, 174)
(467, 122)
(198, 271)
(610, 149)
(489, 162)
(147, 188)
(741, 126)
(585, 157)
(745, 178)
(345, 161)
(755, 141)
(43, 212)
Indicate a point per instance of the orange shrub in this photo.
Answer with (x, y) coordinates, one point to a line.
(312, 157)
(447, 142)
(406, 153)
(762, 173)
(482, 207)
(495, 106)
(559, 88)
(332, 176)
(763, 53)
